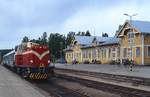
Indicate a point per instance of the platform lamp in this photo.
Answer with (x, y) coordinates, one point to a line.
(130, 17)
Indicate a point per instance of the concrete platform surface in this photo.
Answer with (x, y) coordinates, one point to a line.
(138, 71)
(12, 85)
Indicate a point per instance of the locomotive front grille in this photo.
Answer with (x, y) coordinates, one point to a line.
(38, 76)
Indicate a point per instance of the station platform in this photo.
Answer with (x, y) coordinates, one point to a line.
(12, 85)
(137, 71)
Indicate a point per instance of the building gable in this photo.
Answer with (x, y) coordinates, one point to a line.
(136, 26)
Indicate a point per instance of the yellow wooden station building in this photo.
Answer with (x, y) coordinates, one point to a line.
(131, 42)
(135, 41)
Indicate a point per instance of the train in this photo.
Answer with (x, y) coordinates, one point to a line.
(30, 60)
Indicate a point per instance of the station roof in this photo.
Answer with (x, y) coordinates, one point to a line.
(87, 40)
(142, 26)
(112, 40)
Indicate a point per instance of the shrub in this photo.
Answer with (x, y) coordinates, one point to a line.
(96, 61)
(75, 62)
(112, 62)
(86, 62)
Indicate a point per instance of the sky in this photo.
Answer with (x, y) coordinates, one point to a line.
(19, 18)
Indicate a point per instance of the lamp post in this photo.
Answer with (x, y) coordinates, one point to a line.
(132, 29)
(130, 16)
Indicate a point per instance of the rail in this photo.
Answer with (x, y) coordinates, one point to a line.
(122, 90)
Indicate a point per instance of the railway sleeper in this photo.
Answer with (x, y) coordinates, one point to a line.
(120, 78)
(124, 91)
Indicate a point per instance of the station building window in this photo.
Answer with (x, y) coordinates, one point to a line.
(125, 52)
(109, 52)
(104, 52)
(130, 38)
(84, 54)
(129, 52)
(118, 52)
(99, 53)
(148, 51)
(137, 51)
(113, 49)
(113, 55)
(89, 54)
(94, 53)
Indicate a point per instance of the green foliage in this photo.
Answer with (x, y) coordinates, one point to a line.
(87, 33)
(44, 39)
(104, 35)
(25, 39)
(79, 33)
(56, 43)
(5, 51)
(41, 40)
(70, 38)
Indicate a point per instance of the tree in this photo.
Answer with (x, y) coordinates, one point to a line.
(44, 39)
(25, 39)
(41, 40)
(56, 44)
(87, 33)
(70, 38)
(79, 33)
(104, 35)
(82, 34)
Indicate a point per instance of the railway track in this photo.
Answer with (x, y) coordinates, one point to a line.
(121, 90)
(112, 77)
(55, 90)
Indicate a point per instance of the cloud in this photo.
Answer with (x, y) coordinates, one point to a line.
(106, 19)
(19, 18)
(33, 17)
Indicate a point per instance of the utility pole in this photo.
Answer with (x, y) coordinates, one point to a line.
(131, 41)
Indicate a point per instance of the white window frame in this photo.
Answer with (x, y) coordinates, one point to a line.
(129, 52)
(130, 36)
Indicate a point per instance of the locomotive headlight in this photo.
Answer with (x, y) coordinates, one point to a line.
(31, 61)
(48, 61)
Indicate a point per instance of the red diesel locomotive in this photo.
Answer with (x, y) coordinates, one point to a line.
(30, 60)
